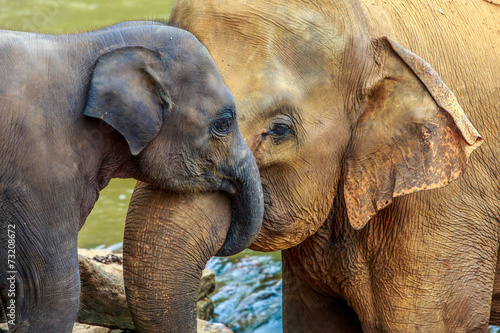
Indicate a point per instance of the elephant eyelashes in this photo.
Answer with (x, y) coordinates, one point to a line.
(280, 132)
(222, 126)
(282, 126)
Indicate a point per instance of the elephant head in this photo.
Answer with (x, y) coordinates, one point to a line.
(172, 107)
(329, 111)
(339, 122)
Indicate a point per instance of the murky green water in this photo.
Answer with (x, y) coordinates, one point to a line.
(105, 224)
(70, 16)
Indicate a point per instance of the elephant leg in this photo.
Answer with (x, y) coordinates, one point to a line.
(306, 310)
(41, 285)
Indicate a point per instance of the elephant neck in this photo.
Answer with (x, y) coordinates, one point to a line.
(116, 161)
(106, 156)
(322, 260)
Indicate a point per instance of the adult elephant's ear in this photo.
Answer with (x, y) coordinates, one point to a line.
(125, 92)
(411, 135)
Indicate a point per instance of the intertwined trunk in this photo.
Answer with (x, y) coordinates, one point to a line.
(168, 240)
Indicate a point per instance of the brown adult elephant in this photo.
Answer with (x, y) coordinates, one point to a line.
(347, 127)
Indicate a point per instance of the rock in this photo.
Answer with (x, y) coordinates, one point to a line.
(207, 284)
(103, 302)
(110, 262)
(205, 309)
(207, 327)
(102, 299)
(84, 328)
(205, 306)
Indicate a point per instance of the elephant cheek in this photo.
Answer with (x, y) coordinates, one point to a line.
(275, 239)
(287, 225)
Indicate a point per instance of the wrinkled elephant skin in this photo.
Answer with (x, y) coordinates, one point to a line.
(170, 267)
(387, 217)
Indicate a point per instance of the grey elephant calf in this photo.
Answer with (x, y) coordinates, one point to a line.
(139, 100)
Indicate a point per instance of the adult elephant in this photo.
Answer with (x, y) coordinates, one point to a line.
(347, 127)
(139, 100)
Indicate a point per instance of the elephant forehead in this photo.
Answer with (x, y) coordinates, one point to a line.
(261, 95)
(269, 54)
(302, 38)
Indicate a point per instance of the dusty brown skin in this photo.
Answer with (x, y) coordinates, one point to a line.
(347, 127)
(139, 100)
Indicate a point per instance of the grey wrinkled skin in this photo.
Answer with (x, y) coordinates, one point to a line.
(137, 100)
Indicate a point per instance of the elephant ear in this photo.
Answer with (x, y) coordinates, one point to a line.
(412, 135)
(125, 92)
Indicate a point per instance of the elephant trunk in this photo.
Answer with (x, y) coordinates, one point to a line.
(168, 240)
(247, 202)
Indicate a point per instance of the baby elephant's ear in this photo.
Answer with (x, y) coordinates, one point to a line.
(412, 134)
(126, 93)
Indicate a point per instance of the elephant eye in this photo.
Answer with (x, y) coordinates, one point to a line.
(222, 126)
(283, 126)
(280, 130)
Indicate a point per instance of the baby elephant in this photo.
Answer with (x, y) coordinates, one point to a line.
(139, 100)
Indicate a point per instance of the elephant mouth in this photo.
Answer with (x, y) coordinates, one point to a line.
(228, 187)
(222, 183)
(266, 191)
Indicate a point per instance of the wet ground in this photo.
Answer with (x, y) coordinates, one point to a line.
(248, 297)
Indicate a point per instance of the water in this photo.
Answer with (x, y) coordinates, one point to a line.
(71, 16)
(248, 296)
(105, 224)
